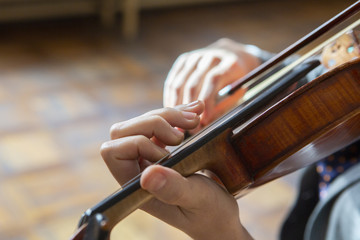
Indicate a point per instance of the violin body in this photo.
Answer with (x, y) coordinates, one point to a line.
(315, 121)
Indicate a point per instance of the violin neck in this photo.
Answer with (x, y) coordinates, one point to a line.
(123, 202)
(126, 206)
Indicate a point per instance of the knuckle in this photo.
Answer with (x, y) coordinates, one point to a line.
(175, 198)
(105, 150)
(114, 130)
(183, 55)
(223, 41)
(140, 140)
(167, 83)
(181, 58)
(158, 121)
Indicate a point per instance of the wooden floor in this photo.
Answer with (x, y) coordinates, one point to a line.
(63, 83)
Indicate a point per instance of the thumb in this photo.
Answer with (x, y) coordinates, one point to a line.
(196, 205)
(170, 187)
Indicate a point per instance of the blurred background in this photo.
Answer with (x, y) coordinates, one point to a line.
(70, 69)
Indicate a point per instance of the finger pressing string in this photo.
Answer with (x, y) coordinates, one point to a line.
(122, 155)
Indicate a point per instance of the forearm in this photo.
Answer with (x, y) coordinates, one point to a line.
(231, 230)
(232, 234)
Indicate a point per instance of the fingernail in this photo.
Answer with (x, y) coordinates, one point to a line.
(163, 151)
(189, 115)
(157, 182)
(193, 103)
(190, 105)
(177, 132)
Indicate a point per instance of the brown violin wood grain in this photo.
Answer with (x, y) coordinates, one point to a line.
(302, 118)
(335, 139)
(218, 156)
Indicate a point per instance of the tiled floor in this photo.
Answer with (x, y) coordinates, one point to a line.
(63, 83)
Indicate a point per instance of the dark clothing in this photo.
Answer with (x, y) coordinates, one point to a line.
(308, 196)
(335, 217)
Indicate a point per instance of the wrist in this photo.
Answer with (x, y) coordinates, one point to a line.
(238, 233)
(245, 235)
(229, 231)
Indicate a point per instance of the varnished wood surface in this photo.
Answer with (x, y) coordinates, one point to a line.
(312, 119)
(63, 83)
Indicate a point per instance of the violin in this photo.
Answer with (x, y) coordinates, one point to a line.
(265, 137)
